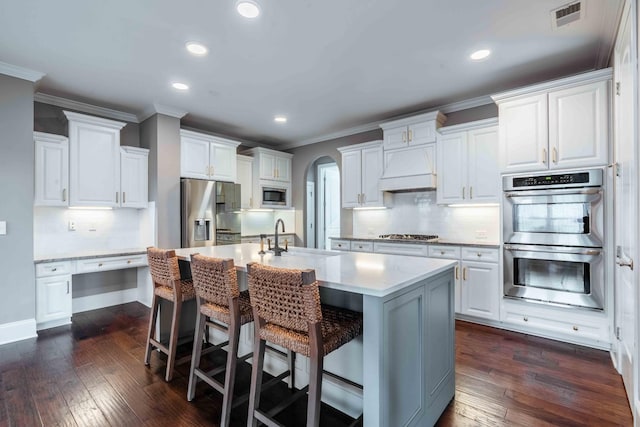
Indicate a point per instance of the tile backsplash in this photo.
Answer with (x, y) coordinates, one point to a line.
(418, 213)
(256, 222)
(94, 230)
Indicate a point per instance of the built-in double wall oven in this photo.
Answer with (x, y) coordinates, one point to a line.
(553, 231)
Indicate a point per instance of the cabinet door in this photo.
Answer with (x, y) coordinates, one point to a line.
(222, 162)
(94, 165)
(483, 173)
(52, 172)
(351, 178)
(245, 179)
(579, 126)
(371, 173)
(267, 166)
(395, 137)
(422, 133)
(282, 168)
(134, 178)
(194, 158)
(53, 298)
(452, 179)
(480, 287)
(523, 134)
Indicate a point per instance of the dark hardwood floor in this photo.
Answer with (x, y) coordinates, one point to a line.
(91, 374)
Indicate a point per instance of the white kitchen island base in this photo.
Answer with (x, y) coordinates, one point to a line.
(405, 359)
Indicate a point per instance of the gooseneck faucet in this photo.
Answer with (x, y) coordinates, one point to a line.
(277, 250)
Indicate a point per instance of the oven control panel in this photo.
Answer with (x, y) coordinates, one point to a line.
(570, 179)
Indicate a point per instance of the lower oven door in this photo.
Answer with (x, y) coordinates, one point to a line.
(571, 276)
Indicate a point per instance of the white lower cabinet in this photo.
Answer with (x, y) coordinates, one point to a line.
(340, 245)
(361, 246)
(400, 249)
(53, 294)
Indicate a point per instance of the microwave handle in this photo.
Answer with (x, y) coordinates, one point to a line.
(551, 192)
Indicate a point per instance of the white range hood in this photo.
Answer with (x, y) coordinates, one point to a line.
(408, 183)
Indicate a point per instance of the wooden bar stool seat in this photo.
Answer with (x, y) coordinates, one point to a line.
(219, 299)
(167, 284)
(287, 312)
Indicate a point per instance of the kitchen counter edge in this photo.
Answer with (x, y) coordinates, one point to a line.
(449, 242)
(88, 255)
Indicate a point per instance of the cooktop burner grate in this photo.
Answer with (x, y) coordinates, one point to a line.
(409, 236)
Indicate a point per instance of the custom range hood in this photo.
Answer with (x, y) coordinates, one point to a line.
(400, 184)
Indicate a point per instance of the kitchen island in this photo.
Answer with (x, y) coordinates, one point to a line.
(405, 357)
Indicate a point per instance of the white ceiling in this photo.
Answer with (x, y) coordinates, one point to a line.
(328, 65)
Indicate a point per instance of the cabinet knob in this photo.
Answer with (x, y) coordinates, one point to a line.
(100, 265)
(128, 261)
(54, 269)
(479, 254)
(441, 252)
(575, 328)
(525, 318)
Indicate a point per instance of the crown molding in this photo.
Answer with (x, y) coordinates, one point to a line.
(164, 110)
(20, 72)
(466, 104)
(493, 121)
(85, 108)
(345, 132)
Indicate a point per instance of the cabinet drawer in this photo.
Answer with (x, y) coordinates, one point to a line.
(447, 252)
(480, 254)
(341, 245)
(53, 268)
(400, 249)
(361, 246)
(110, 263)
(577, 328)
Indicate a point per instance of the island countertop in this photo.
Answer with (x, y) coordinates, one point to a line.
(361, 273)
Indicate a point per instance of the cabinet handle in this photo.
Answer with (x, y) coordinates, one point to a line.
(100, 265)
(364, 198)
(575, 328)
(457, 275)
(471, 192)
(464, 273)
(463, 193)
(544, 156)
(213, 170)
(525, 318)
(441, 252)
(128, 261)
(404, 136)
(554, 155)
(54, 269)
(250, 202)
(479, 254)
(64, 194)
(67, 287)
(117, 198)
(410, 135)
(124, 197)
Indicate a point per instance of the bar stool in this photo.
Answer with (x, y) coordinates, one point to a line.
(216, 286)
(287, 312)
(167, 284)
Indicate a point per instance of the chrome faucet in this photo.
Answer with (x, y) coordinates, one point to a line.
(277, 250)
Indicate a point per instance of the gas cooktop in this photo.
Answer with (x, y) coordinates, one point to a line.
(421, 237)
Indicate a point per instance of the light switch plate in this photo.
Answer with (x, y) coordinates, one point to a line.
(3, 227)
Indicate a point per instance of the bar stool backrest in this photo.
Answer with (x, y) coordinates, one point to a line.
(288, 298)
(214, 279)
(163, 266)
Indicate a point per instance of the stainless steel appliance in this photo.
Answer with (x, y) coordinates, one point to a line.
(553, 230)
(210, 213)
(274, 196)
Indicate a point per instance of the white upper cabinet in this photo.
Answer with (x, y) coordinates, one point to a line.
(94, 159)
(273, 165)
(207, 157)
(411, 131)
(51, 170)
(245, 179)
(134, 177)
(468, 159)
(556, 125)
(361, 172)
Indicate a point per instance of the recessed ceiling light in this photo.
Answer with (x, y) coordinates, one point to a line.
(197, 48)
(280, 119)
(248, 8)
(180, 86)
(480, 54)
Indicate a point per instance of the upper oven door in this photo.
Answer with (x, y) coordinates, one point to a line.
(560, 217)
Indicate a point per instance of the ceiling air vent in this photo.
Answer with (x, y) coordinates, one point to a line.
(566, 14)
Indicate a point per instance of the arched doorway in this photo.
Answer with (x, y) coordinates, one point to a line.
(322, 203)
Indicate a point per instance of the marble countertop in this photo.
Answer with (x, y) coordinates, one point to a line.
(361, 273)
(439, 241)
(87, 254)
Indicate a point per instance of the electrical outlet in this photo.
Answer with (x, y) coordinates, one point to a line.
(481, 234)
(3, 227)
(72, 226)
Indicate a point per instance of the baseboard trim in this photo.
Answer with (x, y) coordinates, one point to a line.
(107, 299)
(17, 331)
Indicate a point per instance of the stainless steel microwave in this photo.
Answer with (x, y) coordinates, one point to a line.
(274, 196)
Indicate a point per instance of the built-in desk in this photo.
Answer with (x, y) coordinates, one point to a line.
(55, 300)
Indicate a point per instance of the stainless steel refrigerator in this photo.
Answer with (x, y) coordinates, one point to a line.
(210, 213)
